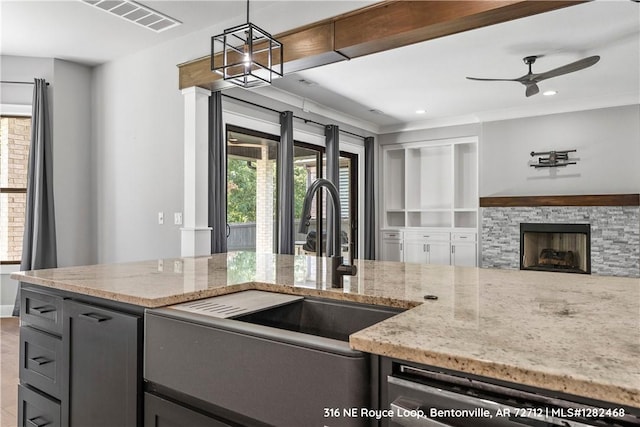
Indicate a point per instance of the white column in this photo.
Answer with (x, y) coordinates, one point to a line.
(196, 234)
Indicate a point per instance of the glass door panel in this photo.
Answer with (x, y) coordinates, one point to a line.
(306, 169)
(251, 191)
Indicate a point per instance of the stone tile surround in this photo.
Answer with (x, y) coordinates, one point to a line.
(615, 235)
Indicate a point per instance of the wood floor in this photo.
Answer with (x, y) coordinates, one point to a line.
(9, 348)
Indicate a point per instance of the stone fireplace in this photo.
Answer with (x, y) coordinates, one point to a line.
(610, 248)
(562, 248)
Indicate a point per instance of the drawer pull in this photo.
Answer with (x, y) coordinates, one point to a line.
(43, 309)
(38, 422)
(94, 317)
(40, 360)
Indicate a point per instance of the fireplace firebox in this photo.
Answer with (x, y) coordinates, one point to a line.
(555, 247)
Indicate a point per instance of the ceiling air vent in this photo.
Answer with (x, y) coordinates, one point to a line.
(136, 13)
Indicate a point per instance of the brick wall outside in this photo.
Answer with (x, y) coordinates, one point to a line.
(15, 135)
(265, 190)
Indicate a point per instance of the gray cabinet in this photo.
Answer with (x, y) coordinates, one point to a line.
(80, 364)
(159, 412)
(103, 365)
(36, 409)
(41, 359)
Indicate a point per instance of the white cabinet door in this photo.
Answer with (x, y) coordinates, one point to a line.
(414, 251)
(463, 254)
(439, 253)
(391, 250)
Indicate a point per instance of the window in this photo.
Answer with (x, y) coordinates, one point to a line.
(15, 136)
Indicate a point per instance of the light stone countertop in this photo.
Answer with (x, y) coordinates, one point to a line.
(579, 334)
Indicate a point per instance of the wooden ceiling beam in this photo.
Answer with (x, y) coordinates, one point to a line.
(377, 28)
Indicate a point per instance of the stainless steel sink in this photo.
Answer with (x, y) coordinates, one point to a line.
(277, 365)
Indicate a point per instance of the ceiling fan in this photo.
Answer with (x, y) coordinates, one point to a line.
(531, 79)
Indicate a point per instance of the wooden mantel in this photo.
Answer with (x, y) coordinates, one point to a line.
(573, 200)
(377, 28)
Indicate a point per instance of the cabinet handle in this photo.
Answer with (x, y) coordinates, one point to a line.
(40, 360)
(428, 248)
(453, 249)
(43, 309)
(400, 247)
(424, 248)
(94, 317)
(34, 422)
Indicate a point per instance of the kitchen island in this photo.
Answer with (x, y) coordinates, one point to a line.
(576, 334)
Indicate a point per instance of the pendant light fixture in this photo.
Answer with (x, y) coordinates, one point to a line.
(246, 55)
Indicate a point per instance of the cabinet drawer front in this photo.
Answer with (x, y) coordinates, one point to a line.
(41, 360)
(35, 409)
(40, 310)
(463, 237)
(160, 412)
(428, 235)
(392, 235)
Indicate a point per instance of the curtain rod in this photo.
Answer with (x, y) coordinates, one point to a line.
(295, 117)
(18, 83)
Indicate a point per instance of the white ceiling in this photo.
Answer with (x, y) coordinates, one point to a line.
(429, 75)
(75, 31)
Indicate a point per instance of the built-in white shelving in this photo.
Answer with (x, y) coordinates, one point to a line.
(431, 185)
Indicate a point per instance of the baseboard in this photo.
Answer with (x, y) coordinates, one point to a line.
(6, 310)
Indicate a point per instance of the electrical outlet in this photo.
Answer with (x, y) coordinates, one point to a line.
(177, 266)
(177, 218)
(160, 218)
(160, 265)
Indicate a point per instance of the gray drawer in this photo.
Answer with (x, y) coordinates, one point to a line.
(159, 412)
(41, 361)
(41, 310)
(36, 410)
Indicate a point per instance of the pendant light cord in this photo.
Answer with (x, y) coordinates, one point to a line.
(247, 11)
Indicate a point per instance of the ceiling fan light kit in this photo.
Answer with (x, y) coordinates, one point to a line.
(531, 79)
(246, 55)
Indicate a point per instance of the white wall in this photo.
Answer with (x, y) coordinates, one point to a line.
(608, 144)
(72, 173)
(137, 116)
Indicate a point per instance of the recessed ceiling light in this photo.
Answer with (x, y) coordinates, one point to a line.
(421, 111)
(549, 92)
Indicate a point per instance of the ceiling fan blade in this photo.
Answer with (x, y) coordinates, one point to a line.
(569, 68)
(492, 80)
(532, 89)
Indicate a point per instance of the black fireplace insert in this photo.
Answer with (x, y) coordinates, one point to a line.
(555, 247)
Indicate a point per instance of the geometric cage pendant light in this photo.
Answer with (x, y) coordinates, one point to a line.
(246, 55)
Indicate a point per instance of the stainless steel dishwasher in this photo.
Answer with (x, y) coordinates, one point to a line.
(419, 397)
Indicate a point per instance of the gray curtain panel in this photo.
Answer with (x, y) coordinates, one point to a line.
(39, 240)
(286, 237)
(332, 141)
(217, 175)
(369, 200)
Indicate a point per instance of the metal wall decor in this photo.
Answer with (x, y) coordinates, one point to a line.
(553, 159)
(246, 55)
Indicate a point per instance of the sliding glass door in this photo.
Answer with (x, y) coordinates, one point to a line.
(310, 164)
(252, 200)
